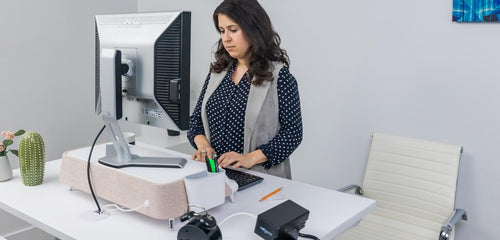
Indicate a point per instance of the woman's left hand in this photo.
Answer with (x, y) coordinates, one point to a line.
(235, 159)
(241, 160)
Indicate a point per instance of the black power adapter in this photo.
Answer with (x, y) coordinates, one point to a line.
(282, 222)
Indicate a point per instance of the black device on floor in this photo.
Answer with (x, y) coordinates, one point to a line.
(244, 180)
(282, 222)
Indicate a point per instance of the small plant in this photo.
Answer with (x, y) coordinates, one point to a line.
(9, 140)
(32, 158)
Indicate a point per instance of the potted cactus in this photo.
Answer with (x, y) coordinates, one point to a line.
(31, 158)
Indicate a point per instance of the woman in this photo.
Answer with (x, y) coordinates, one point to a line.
(249, 108)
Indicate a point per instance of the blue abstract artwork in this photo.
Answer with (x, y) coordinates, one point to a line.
(476, 10)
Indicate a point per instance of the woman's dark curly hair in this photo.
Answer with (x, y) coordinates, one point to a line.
(264, 42)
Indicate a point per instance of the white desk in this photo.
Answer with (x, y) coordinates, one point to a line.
(56, 210)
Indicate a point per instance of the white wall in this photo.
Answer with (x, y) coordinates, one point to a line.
(400, 67)
(47, 75)
(47, 69)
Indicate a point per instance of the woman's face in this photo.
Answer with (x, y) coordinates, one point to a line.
(233, 38)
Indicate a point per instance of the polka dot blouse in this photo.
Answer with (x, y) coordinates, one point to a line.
(226, 117)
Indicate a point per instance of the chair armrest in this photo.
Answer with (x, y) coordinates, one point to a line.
(458, 214)
(358, 189)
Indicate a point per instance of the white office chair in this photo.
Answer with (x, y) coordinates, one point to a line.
(414, 183)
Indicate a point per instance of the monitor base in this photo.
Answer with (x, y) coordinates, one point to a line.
(111, 160)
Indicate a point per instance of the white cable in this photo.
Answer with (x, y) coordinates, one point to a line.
(198, 206)
(118, 208)
(236, 214)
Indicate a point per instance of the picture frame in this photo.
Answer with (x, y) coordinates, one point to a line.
(476, 10)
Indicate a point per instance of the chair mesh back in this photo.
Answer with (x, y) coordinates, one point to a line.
(414, 181)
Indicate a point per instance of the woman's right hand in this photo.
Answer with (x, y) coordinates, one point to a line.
(203, 151)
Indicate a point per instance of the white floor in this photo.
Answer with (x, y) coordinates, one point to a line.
(11, 229)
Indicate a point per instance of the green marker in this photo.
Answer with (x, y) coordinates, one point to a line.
(212, 165)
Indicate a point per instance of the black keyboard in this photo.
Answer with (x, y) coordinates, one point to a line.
(244, 180)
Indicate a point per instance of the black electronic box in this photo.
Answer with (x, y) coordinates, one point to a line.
(282, 222)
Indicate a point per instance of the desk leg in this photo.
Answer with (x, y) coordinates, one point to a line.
(171, 224)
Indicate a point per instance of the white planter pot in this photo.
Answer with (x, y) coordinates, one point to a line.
(5, 169)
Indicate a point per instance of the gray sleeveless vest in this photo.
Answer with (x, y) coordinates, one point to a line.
(261, 118)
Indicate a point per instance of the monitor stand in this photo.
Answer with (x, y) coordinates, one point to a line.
(118, 153)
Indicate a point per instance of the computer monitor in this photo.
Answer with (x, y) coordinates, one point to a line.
(142, 76)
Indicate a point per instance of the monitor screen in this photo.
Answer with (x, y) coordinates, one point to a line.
(142, 76)
(154, 71)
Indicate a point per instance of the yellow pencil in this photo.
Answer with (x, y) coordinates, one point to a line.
(270, 194)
